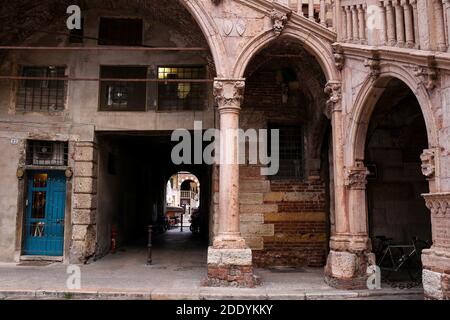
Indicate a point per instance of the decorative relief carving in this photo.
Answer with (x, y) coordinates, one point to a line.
(339, 58)
(216, 2)
(228, 25)
(229, 92)
(334, 93)
(428, 75)
(428, 163)
(279, 20)
(438, 203)
(373, 63)
(356, 177)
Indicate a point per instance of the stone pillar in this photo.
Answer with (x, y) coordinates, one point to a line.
(311, 10)
(344, 20)
(349, 254)
(323, 13)
(413, 4)
(383, 27)
(300, 8)
(390, 25)
(84, 202)
(355, 24)
(436, 260)
(399, 24)
(349, 23)
(446, 5)
(440, 25)
(229, 260)
(361, 24)
(409, 24)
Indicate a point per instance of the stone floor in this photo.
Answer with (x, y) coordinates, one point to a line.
(179, 266)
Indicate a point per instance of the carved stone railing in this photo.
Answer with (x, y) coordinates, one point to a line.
(320, 11)
(414, 24)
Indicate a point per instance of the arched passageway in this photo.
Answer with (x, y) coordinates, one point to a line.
(285, 217)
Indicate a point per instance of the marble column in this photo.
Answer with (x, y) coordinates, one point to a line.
(399, 24)
(413, 4)
(409, 24)
(349, 254)
(390, 25)
(300, 8)
(383, 28)
(311, 10)
(349, 23)
(344, 20)
(229, 259)
(361, 24)
(440, 25)
(323, 13)
(446, 5)
(355, 24)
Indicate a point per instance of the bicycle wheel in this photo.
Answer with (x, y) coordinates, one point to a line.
(415, 268)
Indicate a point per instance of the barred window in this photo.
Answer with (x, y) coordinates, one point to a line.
(120, 95)
(290, 152)
(47, 153)
(42, 95)
(175, 96)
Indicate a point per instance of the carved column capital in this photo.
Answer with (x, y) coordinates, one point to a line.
(229, 94)
(279, 20)
(438, 203)
(356, 176)
(333, 90)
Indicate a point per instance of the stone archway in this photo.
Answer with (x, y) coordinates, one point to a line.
(356, 255)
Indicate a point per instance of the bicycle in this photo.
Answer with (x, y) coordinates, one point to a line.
(396, 258)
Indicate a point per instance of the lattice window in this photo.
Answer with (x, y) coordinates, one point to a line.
(290, 151)
(173, 96)
(42, 95)
(121, 95)
(47, 153)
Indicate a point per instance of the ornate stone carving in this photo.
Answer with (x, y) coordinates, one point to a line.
(339, 58)
(373, 63)
(428, 75)
(356, 177)
(428, 163)
(438, 203)
(279, 20)
(333, 91)
(216, 2)
(229, 92)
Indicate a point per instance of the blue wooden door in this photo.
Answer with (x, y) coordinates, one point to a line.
(44, 221)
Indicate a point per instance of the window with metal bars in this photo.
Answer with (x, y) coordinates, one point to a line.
(290, 151)
(42, 95)
(179, 95)
(47, 153)
(122, 95)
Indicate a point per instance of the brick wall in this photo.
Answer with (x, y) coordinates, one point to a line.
(285, 222)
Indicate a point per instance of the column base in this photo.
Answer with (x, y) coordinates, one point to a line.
(436, 274)
(347, 270)
(230, 268)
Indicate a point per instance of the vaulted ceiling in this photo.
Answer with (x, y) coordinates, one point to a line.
(19, 19)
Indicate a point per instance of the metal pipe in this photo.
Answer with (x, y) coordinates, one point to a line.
(104, 48)
(105, 79)
(149, 245)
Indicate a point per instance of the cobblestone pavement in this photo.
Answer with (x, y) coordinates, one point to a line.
(177, 272)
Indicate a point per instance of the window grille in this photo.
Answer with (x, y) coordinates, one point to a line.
(47, 153)
(175, 96)
(290, 152)
(42, 95)
(123, 96)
